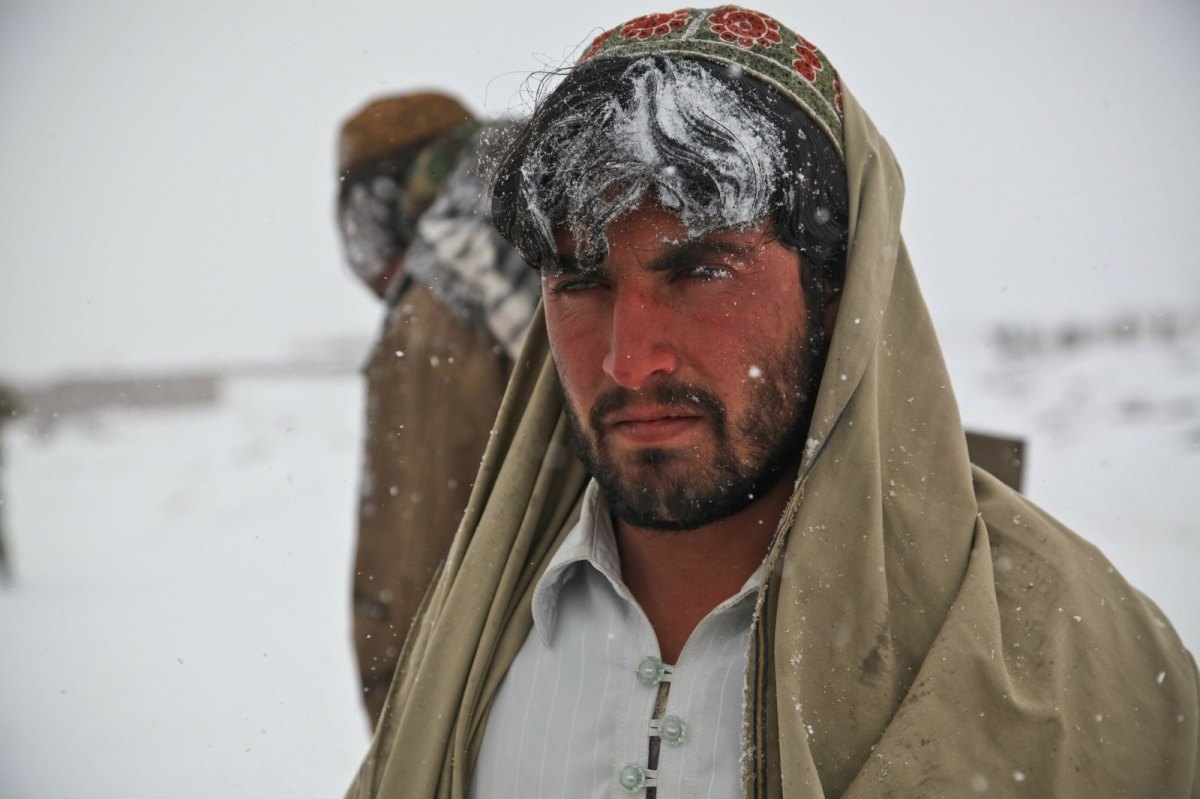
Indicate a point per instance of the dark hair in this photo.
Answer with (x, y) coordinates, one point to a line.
(579, 165)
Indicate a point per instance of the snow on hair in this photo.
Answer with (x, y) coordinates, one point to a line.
(677, 132)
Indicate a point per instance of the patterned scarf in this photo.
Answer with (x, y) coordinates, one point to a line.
(383, 198)
(460, 257)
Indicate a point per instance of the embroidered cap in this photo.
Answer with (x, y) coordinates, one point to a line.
(747, 39)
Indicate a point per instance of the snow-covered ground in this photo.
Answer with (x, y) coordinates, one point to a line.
(178, 626)
(1110, 407)
(179, 622)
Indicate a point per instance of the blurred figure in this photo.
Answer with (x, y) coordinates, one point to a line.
(416, 231)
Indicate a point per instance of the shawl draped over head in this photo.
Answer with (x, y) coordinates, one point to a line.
(923, 630)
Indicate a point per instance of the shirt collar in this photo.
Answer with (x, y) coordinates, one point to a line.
(593, 542)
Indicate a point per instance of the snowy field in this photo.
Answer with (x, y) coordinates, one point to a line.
(178, 626)
(1110, 408)
(179, 622)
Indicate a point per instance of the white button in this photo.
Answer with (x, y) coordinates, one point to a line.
(672, 730)
(632, 778)
(650, 671)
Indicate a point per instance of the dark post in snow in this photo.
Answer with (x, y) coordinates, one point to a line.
(1003, 457)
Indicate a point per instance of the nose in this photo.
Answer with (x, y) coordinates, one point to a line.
(639, 346)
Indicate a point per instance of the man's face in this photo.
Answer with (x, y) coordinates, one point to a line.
(683, 363)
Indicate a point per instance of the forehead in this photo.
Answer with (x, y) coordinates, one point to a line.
(650, 228)
(647, 222)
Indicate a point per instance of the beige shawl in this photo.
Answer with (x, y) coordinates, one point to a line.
(924, 630)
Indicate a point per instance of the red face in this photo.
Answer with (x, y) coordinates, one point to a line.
(683, 363)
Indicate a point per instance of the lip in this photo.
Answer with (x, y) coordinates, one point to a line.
(652, 426)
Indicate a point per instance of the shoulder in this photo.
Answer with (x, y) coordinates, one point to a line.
(1064, 608)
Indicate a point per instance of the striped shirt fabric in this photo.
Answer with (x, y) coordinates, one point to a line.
(589, 710)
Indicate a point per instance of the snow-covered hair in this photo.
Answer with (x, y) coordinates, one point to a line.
(718, 147)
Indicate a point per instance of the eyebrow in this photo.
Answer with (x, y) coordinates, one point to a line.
(685, 254)
(567, 265)
(688, 253)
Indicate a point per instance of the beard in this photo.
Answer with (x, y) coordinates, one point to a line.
(670, 489)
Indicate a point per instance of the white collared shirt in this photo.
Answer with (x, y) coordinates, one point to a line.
(573, 716)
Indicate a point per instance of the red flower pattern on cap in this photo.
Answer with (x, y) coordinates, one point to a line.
(809, 63)
(597, 43)
(744, 27)
(644, 27)
(837, 94)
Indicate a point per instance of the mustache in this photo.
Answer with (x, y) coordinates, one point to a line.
(670, 395)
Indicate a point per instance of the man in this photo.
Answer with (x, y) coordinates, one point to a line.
(772, 570)
(458, 303)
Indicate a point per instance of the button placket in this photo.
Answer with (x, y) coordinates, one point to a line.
(651, 672)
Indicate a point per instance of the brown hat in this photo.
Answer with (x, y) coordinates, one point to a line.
(394, 123)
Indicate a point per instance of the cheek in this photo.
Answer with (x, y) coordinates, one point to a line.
(756, 302)
(577, 346)
(738, 329)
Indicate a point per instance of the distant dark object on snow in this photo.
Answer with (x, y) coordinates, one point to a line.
(1028, 341)
(1003, 457)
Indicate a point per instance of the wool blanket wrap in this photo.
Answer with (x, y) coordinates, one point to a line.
(923, 631)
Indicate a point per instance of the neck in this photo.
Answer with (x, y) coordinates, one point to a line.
(679, 577)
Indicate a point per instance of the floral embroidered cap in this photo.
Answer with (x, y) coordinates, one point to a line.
(749, 39)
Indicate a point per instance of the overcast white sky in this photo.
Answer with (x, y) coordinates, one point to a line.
(166, 168)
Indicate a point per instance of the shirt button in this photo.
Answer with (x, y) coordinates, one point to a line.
(632, 777)
(649, 671)
(672, 730)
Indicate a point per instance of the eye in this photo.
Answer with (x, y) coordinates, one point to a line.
(573, 285)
